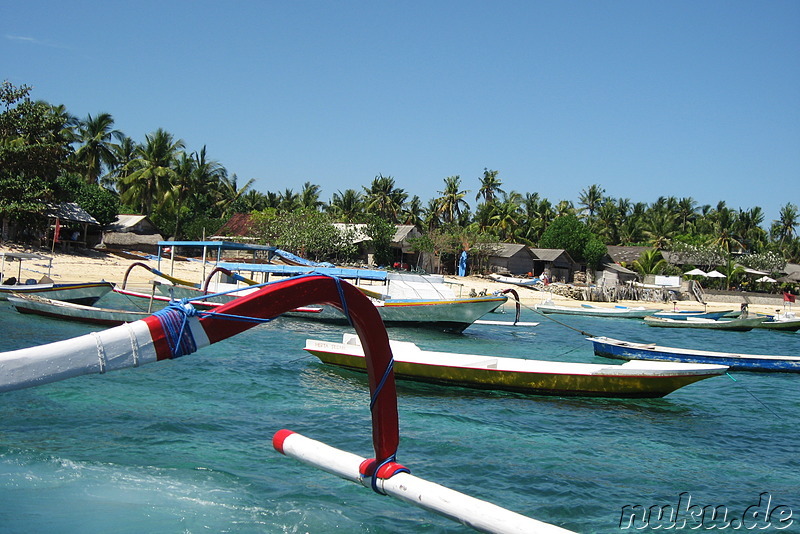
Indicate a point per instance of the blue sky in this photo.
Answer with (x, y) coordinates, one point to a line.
(678, 98)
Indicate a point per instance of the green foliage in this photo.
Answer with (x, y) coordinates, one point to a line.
(307, 233)
(381, 232)
(98, 201)
(593, 252)
(650, 262)
(572, 235)
(33, 152)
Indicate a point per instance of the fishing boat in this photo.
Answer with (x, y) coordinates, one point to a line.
(180, 330)
(784, 322)
(626, 350)
(637, 312)
(69, 311)
(515, 280)
(632, 379)
(443, 311)
(79, 292)
(680, 315)
(733, 325)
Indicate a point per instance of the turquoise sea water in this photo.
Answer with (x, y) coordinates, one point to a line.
(185, 445)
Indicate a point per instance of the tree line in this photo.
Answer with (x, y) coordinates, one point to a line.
(48, 154)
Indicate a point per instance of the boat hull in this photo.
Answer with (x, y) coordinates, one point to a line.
(540, 378)
(596, 311)
(624, 350)
(680, 316)
(35, 305)
(448, 315)
(80, 293)
(733, 325)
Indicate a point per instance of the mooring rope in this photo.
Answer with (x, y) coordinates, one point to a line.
(752, 395)
(552, 319)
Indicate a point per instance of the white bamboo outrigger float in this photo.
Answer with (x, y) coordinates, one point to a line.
(180, 329)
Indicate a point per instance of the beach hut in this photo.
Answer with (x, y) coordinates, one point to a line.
(556, 262)
(511, 258)
(68, 225)
(131, 232)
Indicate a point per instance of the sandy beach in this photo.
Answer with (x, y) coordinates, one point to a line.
(94, 265)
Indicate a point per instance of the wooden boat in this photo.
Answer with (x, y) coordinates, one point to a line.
(596, 311)
(733, 325)
(448, 314)
(517, 281)
(626, 350)
(784, 322)
(685, 314)
(641, 380)
(79, 292)
(69, 311)
(178, 331)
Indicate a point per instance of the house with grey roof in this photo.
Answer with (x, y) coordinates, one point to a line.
(556, 263)
(510, 258)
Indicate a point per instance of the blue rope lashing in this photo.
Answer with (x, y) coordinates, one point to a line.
(342, 299)
(173, 319)
(374, 481)
(378, 389)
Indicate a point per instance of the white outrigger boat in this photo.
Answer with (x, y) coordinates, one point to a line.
(638, 312)
(179, 330)
(629, 380)
(80, 292)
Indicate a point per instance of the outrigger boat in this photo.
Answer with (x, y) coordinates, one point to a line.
(784, 322)
(637, 312)
(627, 350)
(680, 315)
(733, 325)
(79, 292)
(180, 330)
(629, 380)
(36, 305)
(450, 314)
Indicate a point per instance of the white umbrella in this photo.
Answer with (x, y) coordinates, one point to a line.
(695, 272)
(765, 279)
(715, 274)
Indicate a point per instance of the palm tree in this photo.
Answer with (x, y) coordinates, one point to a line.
(608, 221)
(290, 201)
(784, 229)
(182, 184)
(590, 199)
(227, 193)
(430, 215)
(490, 186)
(96, 151)
(452, 199)
(151, 171)
(124, 153)
(412, 212)
(748, 228)
(309, 196)
(687, 211)
(724, 230)
(506, 216)
(650, 262)
(565, 207)
(659, 227)
(383, 199)
(347, 207)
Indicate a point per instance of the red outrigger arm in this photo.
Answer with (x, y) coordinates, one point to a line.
(273, 300)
